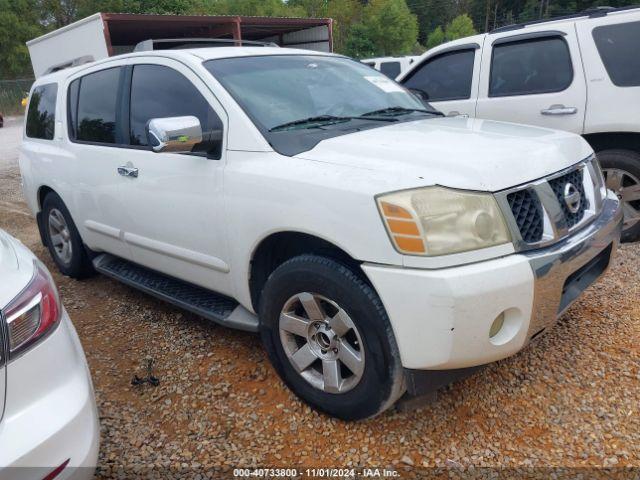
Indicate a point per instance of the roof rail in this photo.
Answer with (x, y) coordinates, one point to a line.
(73, 63)
(593, 12)
(179, 43)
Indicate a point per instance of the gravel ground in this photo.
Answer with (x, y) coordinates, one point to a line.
(568, 400)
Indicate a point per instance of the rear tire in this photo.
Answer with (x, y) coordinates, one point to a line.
(622, 172)
(347, 325)
(63, 240)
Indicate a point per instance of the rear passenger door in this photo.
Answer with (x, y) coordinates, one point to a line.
(448, 79)
(534, 78)
(612, 62)
(174, 215)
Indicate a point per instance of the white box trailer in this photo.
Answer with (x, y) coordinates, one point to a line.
(106, 34)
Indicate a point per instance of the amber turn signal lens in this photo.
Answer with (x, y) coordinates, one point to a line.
(394, 211)
(410, 244)
(403, 228)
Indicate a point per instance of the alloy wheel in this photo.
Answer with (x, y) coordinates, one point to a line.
(627, 187)
(60, 236)
(322, 342)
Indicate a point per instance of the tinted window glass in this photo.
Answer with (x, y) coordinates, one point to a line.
(445, 77)
(529, 67)
(72, 99)
(159, 92)
(618, 48)
(42, 112)
(97, 106)
(390, 69)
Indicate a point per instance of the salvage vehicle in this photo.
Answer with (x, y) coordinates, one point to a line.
(48, 417)
(375, 245)
(390, 66)
(579, 73)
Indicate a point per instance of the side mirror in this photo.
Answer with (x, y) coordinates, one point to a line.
(174, 134)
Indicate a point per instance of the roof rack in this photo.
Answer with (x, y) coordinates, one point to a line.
(593, 12)
(180, 43)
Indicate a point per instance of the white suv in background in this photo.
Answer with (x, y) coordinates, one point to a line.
(48, 419)
(375, 245)
(579, 73)
(391, 66)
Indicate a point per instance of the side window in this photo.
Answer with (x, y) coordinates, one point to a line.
(618, 48)
(42, 112)
(390, 69)
(157, 92)
(444, 77)
(529, 67)
(94, 117)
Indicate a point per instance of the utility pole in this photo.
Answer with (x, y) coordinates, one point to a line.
(486, 17)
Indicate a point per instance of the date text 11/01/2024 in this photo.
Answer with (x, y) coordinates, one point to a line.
(316, 473)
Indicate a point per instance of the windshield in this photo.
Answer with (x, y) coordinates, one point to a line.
(282, 93)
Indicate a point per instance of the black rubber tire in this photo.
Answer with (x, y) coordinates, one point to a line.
(382, 382)
(80, 265)
(629, 161)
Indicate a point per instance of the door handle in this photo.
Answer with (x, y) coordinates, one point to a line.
(559, 110)
(128, 171)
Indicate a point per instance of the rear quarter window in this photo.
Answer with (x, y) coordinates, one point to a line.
(618, 49)
(41, 117)
(390, 69)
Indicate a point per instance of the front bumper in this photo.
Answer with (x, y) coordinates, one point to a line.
(441, 318)
(50, 412)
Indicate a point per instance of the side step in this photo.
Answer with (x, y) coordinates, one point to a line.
(205, 303)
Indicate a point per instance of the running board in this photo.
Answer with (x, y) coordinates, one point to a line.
(205, 303)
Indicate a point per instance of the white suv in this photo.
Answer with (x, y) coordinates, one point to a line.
(373, 243)
(579, 73)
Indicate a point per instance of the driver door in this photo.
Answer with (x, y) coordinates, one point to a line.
(174, 218)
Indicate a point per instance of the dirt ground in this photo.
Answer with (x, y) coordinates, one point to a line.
(570, 399)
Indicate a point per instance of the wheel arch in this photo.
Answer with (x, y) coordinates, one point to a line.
(278, 247)
(614, 140)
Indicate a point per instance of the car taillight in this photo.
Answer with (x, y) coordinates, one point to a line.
(34, 313)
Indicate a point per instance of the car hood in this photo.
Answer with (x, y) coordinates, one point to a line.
(456, 152)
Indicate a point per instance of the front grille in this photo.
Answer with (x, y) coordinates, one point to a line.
(558, 186)
(527, 211)
(539, 213)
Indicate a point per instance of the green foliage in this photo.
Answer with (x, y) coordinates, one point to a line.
(18, 23)
(391, 26)
(435, 38)
(359, 43)
(460, 27)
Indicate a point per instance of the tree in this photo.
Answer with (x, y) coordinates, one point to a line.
(391, 26)
(19, 22)
(435, 38)
(460, 27)
(359, 43)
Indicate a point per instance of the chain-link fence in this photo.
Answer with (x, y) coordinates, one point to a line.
(11, 94)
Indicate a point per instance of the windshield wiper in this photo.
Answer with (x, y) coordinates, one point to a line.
(400, 111)
(321, 120)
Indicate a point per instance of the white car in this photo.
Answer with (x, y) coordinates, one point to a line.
(48, 418)
(391, 66)
(375, 245)
(579, 73)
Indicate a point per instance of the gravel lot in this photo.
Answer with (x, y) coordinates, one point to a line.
(568, 400)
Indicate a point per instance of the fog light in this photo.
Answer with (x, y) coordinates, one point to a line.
(496, 326)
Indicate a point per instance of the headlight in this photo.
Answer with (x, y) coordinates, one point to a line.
(438, 221)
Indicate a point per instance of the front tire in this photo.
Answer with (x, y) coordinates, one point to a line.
(329, 338)
(621, 169)
(63, 240)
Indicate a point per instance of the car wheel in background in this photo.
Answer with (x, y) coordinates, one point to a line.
(621, 170)
(63, 240)
(329, 338)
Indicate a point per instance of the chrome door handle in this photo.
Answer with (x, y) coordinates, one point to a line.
(128, 171)
(559, 110)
